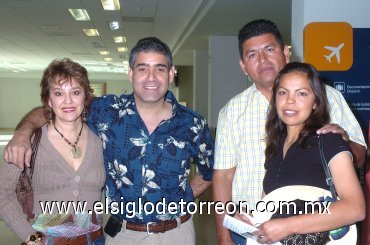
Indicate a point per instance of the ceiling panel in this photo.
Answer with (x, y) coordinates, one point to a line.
(33, 32)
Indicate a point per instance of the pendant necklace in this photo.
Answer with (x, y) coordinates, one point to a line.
(75, 151)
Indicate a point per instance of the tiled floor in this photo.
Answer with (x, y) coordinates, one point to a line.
(204, 223)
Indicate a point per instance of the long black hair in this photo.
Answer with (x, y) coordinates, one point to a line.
(275, 127)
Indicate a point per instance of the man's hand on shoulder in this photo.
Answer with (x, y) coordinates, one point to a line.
(18, 151)
(358, 150)
(334, 128)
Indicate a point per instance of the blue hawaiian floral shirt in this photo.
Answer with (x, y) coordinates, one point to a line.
(144, 170)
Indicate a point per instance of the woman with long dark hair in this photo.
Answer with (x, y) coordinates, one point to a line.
(294, 167)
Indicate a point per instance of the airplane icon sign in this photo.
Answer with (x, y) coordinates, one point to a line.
(334, 51)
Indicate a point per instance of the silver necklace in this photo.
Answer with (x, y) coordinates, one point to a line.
(75, 151)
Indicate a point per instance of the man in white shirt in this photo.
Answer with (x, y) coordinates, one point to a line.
(240, 145)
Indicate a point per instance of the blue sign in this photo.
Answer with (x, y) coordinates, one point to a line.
(354, 84)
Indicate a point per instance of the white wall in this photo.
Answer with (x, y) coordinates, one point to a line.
(19, 95)
(200, 88)
(117, 87)
(185, 74)
(225, 76)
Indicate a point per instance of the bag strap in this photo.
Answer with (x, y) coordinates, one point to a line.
(329, 179)
(34, 146)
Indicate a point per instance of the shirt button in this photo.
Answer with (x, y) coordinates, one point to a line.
(77, 178)
(75, 193)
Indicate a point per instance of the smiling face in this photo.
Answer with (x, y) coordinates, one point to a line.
(67, 100)
(263, 58)
(150, 77)
(295, 99)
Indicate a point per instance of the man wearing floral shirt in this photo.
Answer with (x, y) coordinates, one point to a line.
(149, 140)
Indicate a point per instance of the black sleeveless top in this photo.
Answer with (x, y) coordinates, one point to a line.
(302, 166)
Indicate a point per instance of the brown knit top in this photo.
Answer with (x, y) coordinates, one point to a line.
(53, 180)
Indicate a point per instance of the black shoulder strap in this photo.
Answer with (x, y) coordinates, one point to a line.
(329, 179)
(34, 146)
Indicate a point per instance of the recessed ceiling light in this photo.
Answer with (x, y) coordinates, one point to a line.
(103, 52)
(114, 25)
(110, 4)
(91, 32)
(79, 14)
(119, 39)
(108, 59)
(122, 49)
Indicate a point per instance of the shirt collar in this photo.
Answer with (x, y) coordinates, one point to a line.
(258, 92)
(254, 88)
(169, 97)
